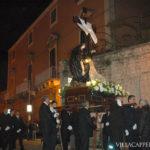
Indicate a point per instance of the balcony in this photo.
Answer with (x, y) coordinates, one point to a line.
(45, 75)
(22, 87)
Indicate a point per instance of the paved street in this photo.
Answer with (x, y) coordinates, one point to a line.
(36, 145)
(33, 145)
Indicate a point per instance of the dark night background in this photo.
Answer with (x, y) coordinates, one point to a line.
(15, 17)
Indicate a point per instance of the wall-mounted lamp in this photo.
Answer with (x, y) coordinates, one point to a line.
(29, 108)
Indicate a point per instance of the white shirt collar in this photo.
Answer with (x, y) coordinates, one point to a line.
(45, 103)
(119, 102)
(52, 110)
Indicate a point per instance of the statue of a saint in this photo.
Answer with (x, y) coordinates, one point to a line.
(80, 60)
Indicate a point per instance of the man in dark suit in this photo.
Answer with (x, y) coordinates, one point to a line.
(0, 132)
(5, 129)
(65, 128)
(144, 124)
(12, 141)
(130, 116)
(48, 125)
(75, 124)
(85, 126)
(116, 123)
(19, 128)
(106, 129)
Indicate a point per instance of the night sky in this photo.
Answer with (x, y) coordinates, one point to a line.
(15, 17)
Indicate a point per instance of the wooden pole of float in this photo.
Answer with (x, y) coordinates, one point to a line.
(95, 134)
(59, 130)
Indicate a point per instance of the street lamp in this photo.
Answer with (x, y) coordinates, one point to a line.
(29, 108)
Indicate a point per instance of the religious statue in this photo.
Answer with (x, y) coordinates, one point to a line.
(81, 56)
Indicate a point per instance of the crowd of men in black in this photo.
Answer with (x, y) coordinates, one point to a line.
(11, 128)
(130, 124)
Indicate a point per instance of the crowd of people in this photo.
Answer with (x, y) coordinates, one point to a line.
(11, 128)
(123, 125)
(32, 131)
(80, 124)
(128, 125)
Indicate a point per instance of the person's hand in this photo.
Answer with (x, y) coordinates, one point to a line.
(135, 126)
(69, 127)
(7, 128)
(93, 115)
(126, 132)
(19, 130)
(58, 121)
(83, 73)
(107, 124)
(56, 115)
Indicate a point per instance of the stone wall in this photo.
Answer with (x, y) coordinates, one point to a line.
(130, 67)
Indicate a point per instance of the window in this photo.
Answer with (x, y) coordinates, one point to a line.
(52, 57)
(53, 16)
(52, 63)
(30, 38)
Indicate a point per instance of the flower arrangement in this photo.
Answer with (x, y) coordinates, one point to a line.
(107, 88)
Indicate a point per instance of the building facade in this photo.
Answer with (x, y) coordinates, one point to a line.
(36, 62)
(33, 61)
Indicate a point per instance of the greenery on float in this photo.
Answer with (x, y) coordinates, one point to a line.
(105, 88)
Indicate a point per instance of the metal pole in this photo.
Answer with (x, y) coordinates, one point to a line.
(29, 100)
(60, 137)
(95, 135)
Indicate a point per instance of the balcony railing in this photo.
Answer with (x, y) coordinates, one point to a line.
(22, 87)
(45, 75)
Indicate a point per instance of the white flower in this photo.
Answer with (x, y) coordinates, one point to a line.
(101, 89)
(105, 89)
(93, 82)
(96, 88)
(116, 87)
(111, 90)
(100, 84)
(88, 83)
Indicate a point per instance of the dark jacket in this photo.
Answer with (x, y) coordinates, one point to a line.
(12, 123)
(75, 122)
(19, 124)
(130, 116)
(66, 119)
(105, 119)
(47, 121)
(4, 122)
(144, 123)
(86, 125)
(116, 122)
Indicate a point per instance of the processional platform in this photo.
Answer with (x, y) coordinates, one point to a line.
(75, 96)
